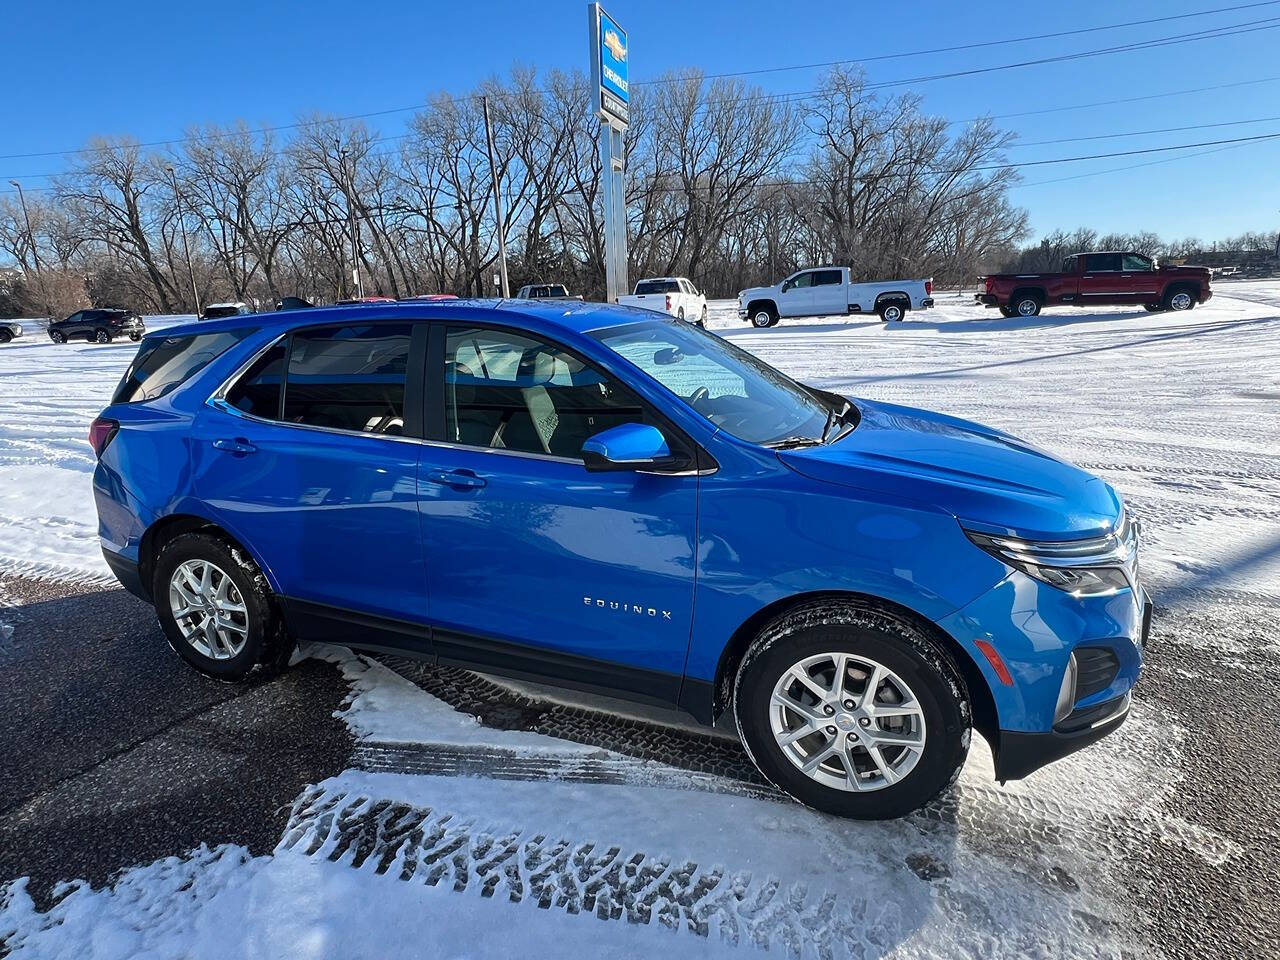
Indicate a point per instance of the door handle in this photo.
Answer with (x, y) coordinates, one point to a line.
(461, 479)
(239, 446)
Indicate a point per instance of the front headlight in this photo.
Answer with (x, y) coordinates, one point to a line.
(1094, 567)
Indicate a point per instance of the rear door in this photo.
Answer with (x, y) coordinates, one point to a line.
(312, 458)
(830, 296)
(795, 299)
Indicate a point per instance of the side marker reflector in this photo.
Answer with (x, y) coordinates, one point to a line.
(997, 664)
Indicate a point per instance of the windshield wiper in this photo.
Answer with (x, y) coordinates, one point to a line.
(786, 443)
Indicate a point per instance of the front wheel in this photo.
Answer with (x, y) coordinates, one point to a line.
(702, 320)
(681, 314)
(214, 607)
(58, 336)
(5, 335)
(852, 711)
(1180, 300)
(763, 318)
(135, 337)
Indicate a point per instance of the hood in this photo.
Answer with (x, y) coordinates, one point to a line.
(750, 292)
(983, 477)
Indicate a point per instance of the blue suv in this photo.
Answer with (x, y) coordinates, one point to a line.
(600, 498)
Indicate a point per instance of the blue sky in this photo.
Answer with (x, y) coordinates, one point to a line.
(151, 69)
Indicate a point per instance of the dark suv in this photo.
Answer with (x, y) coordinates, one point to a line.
(98, 326)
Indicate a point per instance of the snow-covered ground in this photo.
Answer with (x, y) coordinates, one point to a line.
(1179, 411)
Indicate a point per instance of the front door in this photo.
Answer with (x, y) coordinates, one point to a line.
(534, 565)
(321, 481)
(795, 299)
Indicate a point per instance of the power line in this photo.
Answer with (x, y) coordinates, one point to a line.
(1143, 133)
(970, 46)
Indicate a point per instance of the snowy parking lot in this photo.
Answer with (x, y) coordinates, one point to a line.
(472, 817)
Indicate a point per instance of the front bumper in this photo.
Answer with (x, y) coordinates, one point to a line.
(1019, 754)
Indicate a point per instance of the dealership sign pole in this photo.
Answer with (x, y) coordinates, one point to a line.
(610, 60)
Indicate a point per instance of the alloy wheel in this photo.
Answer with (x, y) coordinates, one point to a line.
(209, 610)
(892, 314)
(1181, 300)
(847, 722)
(762, 319)
(1027, 308)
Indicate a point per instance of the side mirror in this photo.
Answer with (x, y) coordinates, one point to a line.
(630, 446)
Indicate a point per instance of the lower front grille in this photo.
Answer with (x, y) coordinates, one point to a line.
(1096, 669)
(1083, 718)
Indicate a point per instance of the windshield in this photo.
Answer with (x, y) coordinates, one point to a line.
(657, 286)
(733, 389)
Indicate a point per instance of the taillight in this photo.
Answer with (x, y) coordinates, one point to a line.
(928, 286)
(668, 303)
(101, 432)
(990, 282)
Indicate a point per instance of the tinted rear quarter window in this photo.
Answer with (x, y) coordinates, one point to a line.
(165, 363)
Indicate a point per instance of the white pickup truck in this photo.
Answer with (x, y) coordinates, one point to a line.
(675, 296)
(827, 291)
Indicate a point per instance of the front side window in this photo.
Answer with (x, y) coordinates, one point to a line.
(507, 391)
(349, 378)
(802, 281)
(165, 363)
(730, 387)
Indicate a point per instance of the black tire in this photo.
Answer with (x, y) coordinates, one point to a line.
(5, 335)
(702, 320)
(1007, 312)
(1025, 305)
(906, 650)
(891, 311)
(101, 335)
(681, 314)
(57, 336)
(763, 317)
(135, 337)
(1179, 298)
(266, 643)
(1152, 307)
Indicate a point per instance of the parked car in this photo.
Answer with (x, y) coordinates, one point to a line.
(545, 291)
(9, 330)
(430, 298)
(99, 325)
(217, 311)
(293, 303)
(604, 501)
(347, 303)
(1097, 279)
(674, 296)
(829, 291)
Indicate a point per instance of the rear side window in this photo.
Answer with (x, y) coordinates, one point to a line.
(826, 278)
(165, 363)
(349, 378)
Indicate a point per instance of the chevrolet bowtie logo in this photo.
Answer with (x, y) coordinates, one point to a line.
(616, 46)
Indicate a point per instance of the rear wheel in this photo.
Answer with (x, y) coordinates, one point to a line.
(702, 320)
(214, 606)
(1007, 312)
(1179, 300)
(102, 335)
(891, 311)
(5, 335)
(681, 314)
(1152, 307)
(1026, 305)
(852, 711)
(135, 337)
(57, 336)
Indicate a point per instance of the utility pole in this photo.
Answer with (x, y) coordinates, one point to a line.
(348, 188)
(35, 253)
(186, 247)
(497, 201)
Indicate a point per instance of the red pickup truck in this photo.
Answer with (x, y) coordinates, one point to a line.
(1088, 279)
